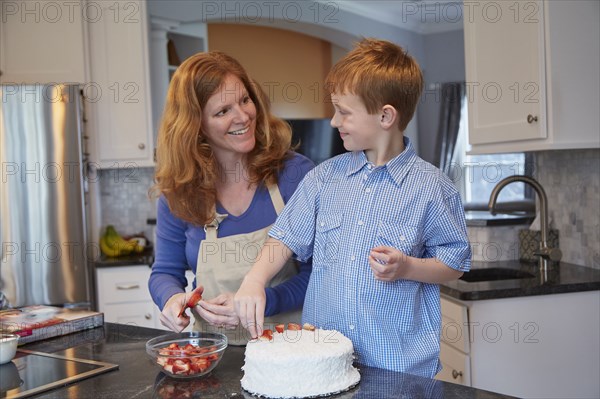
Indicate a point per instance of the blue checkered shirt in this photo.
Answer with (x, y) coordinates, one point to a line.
(339, 212)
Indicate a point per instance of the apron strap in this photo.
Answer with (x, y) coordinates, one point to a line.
(211, 228)
(276, 198)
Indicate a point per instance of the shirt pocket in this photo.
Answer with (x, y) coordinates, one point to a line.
(405, 238)
(327, 238)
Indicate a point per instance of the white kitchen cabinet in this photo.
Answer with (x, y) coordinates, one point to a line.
(454, 345)
(543, 346)
(532, 75)
(42, 42)
(456, 366)
(119, 94)
(124, 298)
(123, 295)
(186, 39)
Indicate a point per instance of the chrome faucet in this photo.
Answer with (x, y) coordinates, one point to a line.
(545, 252)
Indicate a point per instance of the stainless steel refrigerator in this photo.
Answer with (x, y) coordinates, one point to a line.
(42, 196)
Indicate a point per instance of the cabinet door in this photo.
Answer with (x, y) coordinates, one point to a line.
(122, 284)
(120, 95)
(505, 70)
(456, 366)
(134, 313)
(455, 325)
(41, 42)
(123, 295)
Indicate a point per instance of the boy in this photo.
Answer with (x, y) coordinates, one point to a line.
(383, 226)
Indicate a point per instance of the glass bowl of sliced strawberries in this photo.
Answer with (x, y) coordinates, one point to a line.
(187, 355)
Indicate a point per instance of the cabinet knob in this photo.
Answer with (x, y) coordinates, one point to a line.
(141, 146)
(148, 316)
(531, 118)
(456, 374)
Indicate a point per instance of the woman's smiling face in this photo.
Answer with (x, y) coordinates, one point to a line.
(229, 119)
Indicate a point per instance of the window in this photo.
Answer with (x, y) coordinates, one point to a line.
(476, 175)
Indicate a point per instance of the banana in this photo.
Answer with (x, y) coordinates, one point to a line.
(107, 250)
(115, 241)
(112, 244)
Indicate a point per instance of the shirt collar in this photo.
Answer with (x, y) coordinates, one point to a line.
(397, 167)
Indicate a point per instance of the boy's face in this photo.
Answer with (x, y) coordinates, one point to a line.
(358, 129)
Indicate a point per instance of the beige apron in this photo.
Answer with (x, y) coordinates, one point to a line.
(223, 263)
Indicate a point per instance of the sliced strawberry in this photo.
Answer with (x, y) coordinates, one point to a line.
(279, 328)
(168, 368)
(213, 357)
(294, 327)
(161, 360)
(195, 297)
(308, 326)
(200, 365)
(267, 335)
(192, 301)
(188, 348)
(181, 367)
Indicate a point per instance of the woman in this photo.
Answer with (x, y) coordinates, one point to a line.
(224, 171)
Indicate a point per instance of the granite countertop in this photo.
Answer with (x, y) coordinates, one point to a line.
(138, 378)
(485, 218)
(561, 278)
(145, 258)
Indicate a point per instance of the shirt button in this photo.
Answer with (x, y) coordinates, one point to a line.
(351, 326)
(367, 190)
(322, 224)
(353, 257)
(369, 166)
(402, 238)
(365, 177)
(360, 222)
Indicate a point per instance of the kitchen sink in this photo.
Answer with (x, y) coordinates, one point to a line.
(493, 274)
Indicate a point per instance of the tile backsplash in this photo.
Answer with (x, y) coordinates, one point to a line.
(494, 244)
(571, 180)
(124, 199)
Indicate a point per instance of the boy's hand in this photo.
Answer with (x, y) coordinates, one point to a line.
(249, 304)
(387, 263)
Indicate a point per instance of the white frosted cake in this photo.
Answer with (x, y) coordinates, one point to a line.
(299, 363)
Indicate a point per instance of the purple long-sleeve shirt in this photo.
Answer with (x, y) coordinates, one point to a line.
(177, 243)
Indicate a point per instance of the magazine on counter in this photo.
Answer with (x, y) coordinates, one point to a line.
(34, 323)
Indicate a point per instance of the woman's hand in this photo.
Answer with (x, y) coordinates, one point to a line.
(219, 311)
(169, 315)
(250, 302)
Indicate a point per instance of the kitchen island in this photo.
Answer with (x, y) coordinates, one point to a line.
(136, 377)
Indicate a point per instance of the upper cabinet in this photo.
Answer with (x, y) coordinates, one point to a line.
(171, 42)
(104, 46)
(42, 42)
(532, 75)
(119, 93)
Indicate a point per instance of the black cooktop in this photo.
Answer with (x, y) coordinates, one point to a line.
(30, 373)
